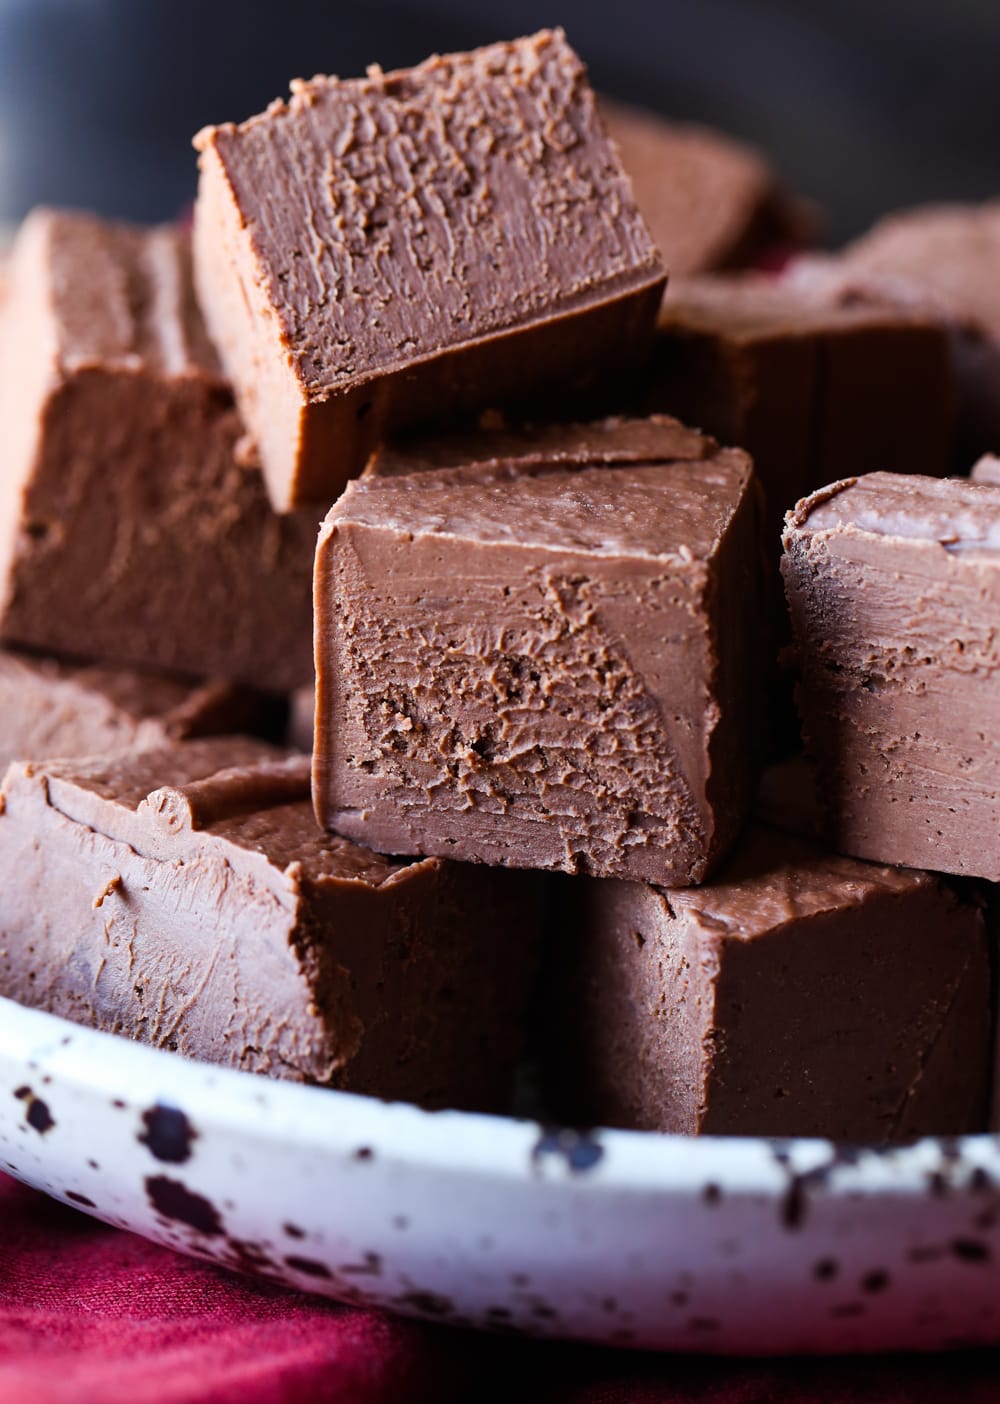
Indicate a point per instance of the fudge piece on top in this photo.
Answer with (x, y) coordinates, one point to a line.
(185, 898)
(812, 383)
(133, 532)
(796, 994)
(400, 247)
(545, 662)
(893, 584)
(710, 202)
(52, 708)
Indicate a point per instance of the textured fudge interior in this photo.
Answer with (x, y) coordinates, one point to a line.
(527, 665)
(478, 205)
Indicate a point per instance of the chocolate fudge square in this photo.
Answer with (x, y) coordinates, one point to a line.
(893, 584)
(542, 665)
(184, 898)
(710, 202)
(52, 708)
(397, 248)
(133, 530)
(796, 994)
(944, 260)
(812, 383)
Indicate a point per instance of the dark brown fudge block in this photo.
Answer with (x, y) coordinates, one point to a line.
(537, 664)
(51, 708)
(400, 247)
(945, 260)
(185, 898)
(797, 994)
(131, 530)
(710, 202)
(812, 384)
(893, 584)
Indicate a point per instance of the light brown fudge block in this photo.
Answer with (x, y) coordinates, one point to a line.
(711, 202)
(545, 660)
(184, 898)
(131, 531)
(51, 708)
(893, 584)
(404, 246)
(796, 994)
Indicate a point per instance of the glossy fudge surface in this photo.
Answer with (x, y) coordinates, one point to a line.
(711, 202)
(185, 898)
(53, 708)
(547, 666)
(893, 584)
(813, 383)
(796, 994)
(132, 530)
(396, 248)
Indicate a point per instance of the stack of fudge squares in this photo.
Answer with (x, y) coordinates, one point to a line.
(405, 438)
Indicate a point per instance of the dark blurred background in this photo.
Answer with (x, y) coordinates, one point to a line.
(862, 104)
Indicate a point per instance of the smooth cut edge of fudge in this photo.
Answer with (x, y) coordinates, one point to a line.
(303, 420)
(721, 743)
(735, 1008)
(116, 366)
(204, 912)
(895, 696)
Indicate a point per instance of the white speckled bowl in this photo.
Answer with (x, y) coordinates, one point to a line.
(711, 1245)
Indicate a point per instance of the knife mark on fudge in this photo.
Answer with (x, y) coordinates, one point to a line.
(405, 246)
(796, 994)
(893, 585)
(232, 930)
(52, 708)
(711, 202)
(130, 528)
(811, 382)
(550, 667)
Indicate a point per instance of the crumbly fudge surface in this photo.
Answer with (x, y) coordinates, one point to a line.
(470, 184)
(545, 668)
(394, 250)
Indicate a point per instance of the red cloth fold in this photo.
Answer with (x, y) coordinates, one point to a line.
(90, 1313)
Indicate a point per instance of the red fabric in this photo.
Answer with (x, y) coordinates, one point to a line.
(89, 1313)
